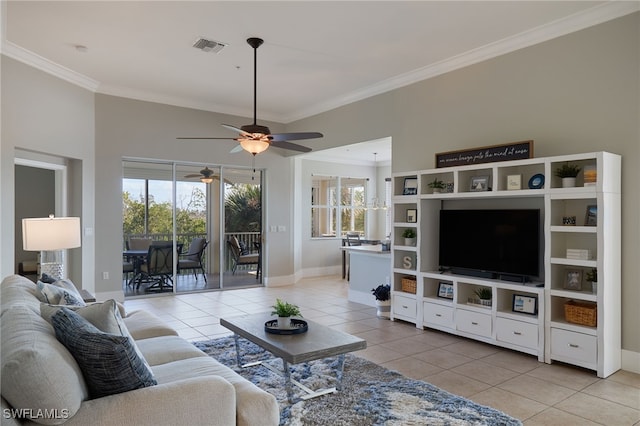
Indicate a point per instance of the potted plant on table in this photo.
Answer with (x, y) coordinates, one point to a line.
(437, 186)
(284, 311)
(409, 236)
(382, 294)
(568, 172)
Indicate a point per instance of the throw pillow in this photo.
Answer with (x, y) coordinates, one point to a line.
(109, 363)
(105, 316)
(58, 295)
(47, 279)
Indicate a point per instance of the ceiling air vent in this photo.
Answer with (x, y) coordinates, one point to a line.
(208, 45)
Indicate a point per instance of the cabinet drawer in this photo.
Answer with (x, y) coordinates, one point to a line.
(473, 322)
(404, 306)
(517, 332)
(578, 346)
(438, 315)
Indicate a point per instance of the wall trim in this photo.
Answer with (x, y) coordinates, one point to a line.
(578, 21)
(631, 361)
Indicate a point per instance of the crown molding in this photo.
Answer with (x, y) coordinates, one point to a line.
(593, 16)
(18, 53)
(578, 21)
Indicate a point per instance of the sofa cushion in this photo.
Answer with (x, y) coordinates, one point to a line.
(144, 325)
(37, 372)
(59, 296)
(108, 362)
(252, 403)
(164, 349)
(18, 290)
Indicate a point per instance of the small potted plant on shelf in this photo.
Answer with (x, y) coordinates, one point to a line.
(437, 186)
(568, 172)
(409, 236)
(484, 294)
(592, 277)
(284, 311)
(382, 294)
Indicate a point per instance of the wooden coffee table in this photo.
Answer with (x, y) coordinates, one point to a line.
(317, 343)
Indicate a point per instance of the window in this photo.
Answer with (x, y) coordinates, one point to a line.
(337, 206)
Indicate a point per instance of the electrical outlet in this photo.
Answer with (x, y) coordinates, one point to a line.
(105, 275)
(273, 228)
(281, 228)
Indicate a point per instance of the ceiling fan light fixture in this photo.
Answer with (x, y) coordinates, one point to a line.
(206, 179)
(255, 146)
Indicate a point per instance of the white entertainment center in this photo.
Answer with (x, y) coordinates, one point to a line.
(545, 331)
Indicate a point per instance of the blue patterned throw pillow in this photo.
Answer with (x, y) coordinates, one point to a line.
(56, 295)
(109, 363)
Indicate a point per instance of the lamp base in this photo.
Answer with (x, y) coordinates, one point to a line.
(52, 264)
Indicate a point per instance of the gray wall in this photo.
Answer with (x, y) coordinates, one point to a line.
(577, 93)
(42, 114)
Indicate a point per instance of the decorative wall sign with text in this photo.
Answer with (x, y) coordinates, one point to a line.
(488, 154)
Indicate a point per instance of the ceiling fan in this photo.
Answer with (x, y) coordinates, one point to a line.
(254, 138)
(206, 175)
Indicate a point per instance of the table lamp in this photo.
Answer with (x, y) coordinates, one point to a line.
(51, 236)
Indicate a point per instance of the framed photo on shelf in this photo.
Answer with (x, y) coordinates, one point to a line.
(573, 279)
(591, 216)
(445, 290)
(525, 304)
(410, 186)
(479, 183)
(412, 215)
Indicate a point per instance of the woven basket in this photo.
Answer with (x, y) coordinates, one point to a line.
(409, 284)
(583, 313)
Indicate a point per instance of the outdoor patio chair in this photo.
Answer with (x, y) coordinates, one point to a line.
(238, 257)
(193, 258)
(158, 268)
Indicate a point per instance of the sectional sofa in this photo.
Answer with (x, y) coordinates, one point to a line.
(44, 383)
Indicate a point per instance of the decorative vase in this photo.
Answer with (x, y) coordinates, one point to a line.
(284, 322)
(568, 182)
(437, 190)
(383, 308)
(409, 241)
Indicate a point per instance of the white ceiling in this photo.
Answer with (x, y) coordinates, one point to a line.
(317, 55)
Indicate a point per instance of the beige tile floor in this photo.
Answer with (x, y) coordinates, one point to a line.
(534, 392)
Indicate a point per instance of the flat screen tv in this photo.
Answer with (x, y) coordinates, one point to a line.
(502, 244)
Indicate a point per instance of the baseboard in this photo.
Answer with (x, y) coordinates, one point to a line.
(631, 361)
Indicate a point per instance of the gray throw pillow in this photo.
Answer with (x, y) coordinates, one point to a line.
(57, 295)
(109, 363)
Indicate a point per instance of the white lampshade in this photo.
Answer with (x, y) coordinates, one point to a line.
(50, 233)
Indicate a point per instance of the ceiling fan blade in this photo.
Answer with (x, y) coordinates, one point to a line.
(278, 137)
(205, 137)
(290, 146)
(235, 129)
(193, 176)
(236, 149)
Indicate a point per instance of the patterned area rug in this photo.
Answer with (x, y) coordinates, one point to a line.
(371, 395)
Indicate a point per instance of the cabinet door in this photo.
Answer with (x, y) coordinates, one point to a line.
(438, 315)
(577, 346)
(404, 307)
(517, 332)
(473, 322)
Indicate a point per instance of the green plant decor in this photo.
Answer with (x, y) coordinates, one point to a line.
(382, 292)
(437, 184)
(409, 233)
(568, 171)
(592, 275)
(484, 293)
(285, 309)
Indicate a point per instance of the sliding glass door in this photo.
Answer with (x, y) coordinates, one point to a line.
(211, 214)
